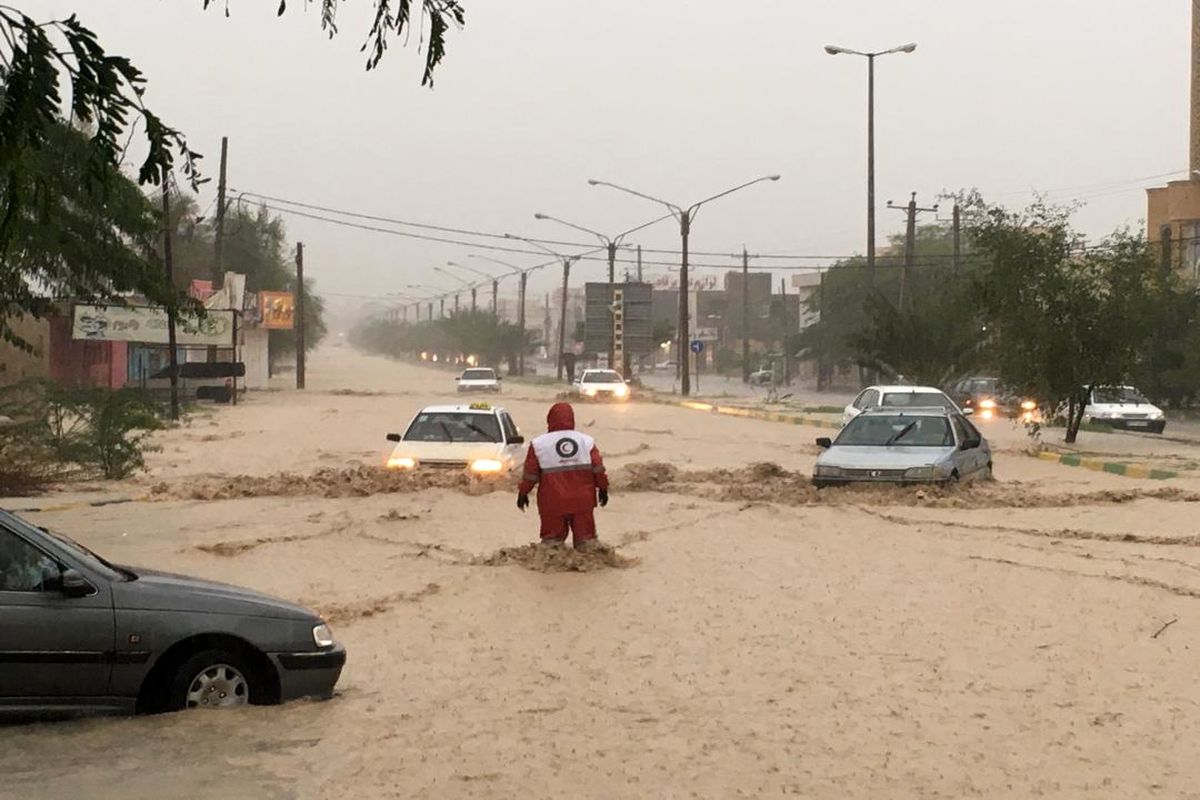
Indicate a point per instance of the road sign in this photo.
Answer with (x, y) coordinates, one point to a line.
(697, 347)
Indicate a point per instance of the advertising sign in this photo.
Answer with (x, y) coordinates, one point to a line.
(277, 310)
(149, 325)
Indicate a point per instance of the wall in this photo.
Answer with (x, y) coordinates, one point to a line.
(256, 356)
(16, 364)
(85, 363)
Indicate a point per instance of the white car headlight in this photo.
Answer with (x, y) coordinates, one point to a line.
(826, 471)
(590, 392)
(487, 465)
(621, 391)
(322, 636)
(1156, 415)
(922, 472)
(402, 463)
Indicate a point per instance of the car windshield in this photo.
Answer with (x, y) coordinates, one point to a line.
(601, 376)
(453, 426)
(916, 400)
(983, 386)
(479, 375)
(874, 430)
(1118, 395)
(94, 562)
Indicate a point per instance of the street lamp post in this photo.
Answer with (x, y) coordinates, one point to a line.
(441, 298)
(685, 217)
(523, 272)
(611, 243)
(834, 50)
(495, 282)
(466, 284)
(567, 261)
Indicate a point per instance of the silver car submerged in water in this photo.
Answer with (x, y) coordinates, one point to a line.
(911, 445)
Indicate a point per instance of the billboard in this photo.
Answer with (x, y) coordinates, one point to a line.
(149, 325)
(276, 310)
(639, 323)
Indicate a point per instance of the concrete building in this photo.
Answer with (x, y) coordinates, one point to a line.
(1173, 211)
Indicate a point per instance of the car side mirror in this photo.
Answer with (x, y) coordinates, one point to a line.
(456, 380)
(971, 444)
(517, 440)
(72, 584)
(824, 443)
(393, 437)
(968, 412)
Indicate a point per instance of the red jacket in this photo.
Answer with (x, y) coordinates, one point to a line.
(566, 466)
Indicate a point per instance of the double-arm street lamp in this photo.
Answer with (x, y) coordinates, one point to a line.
(466, 284)
(523, 272)
(567, 261)
(611, 243)
(834, 50)
(487, 275)
(685, 217)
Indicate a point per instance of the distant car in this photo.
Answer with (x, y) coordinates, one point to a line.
(479, 438)
(762, 377)
(601, 384)
(909, 445)
(987, 398)
(83, 636)
(478, 379)
(1125, 408)
(895, 396)
(199, 380)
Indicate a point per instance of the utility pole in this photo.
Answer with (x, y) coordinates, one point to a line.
(745, 316)
(957, 237)
(910, 241)
(521, 322)
(442, 307)
(783, 341)
(639, 263)
(219, 232)
(821, 351)
(1166, 257)
(169, 266)
(495, 297)
(299, 315)
(562, 319)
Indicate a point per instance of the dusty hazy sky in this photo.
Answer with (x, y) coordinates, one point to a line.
(1081, 98)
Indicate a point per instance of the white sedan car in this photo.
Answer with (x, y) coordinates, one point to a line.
(899, 397)
(1124, 408)
(601, 384)
(480, 438)
(478, 379)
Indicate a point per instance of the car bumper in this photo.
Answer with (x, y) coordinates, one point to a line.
(823, 482)
(1143, 425)
(311, 674)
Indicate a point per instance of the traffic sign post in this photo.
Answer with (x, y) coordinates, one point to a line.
(697, 348)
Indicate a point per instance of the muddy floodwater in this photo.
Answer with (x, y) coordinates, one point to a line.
(745, 635)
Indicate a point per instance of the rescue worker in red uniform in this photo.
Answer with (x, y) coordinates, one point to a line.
(569, 473)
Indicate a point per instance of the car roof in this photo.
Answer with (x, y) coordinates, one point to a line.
(483, 369)
(915, 411)
(461, 409)
(910, 389)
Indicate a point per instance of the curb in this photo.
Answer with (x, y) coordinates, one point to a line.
(1111, 467)
(749, 413)
(72, 506)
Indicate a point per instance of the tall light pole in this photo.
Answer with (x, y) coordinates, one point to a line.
(438, 294)
(685, 217)
(567, 261)
(495, 282)
(611, 243)
(834, 50)
(523, 272)
(466, 284)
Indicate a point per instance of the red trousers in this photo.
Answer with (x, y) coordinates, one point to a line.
(582, 524)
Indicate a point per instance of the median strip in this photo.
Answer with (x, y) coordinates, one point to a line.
(1112, 467)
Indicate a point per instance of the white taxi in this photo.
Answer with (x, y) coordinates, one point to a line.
(601, 384)
(479, 438)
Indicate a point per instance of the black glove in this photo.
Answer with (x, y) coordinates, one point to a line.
(603, 495)
(522, 501)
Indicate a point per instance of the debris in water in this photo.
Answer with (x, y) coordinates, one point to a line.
(540, 558)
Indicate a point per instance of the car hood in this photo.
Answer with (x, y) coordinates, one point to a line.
(601, 387)
(1125, 408)
(163, 591)
(447, 451)
(894, 457)
(477, 381)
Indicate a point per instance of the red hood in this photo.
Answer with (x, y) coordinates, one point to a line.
(561, 418)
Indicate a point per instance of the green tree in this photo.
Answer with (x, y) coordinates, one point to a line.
(1062, 317)
(73, 237)
(41, 61)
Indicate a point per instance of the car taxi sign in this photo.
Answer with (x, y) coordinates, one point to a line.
(480, 406)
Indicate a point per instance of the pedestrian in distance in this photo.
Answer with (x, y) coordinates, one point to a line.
(568, 471)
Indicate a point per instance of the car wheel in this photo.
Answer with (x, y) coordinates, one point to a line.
(215, 679)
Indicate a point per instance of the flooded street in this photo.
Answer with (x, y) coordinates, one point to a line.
(754, 638)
